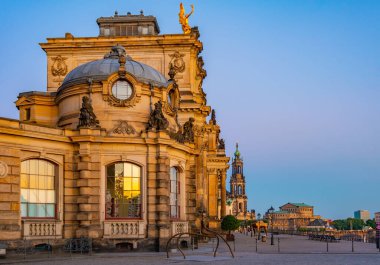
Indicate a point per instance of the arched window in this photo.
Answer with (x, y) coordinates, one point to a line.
(239, 190)
(174, 193)
(123, 193)
(38, 195)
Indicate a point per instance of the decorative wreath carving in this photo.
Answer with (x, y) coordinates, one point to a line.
(177, 62)
(3, 169)
(59, 67)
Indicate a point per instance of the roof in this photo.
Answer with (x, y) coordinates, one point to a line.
(282, 212)
(317, 222)
(100, 70)
(298, 204)
(301, 204)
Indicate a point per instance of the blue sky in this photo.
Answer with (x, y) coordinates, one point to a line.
(296, 83)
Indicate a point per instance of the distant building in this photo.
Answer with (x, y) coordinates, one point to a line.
(237, 199)
(291, 216)
(362, 214)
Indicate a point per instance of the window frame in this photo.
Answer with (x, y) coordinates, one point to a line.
(56, 191)
(107, 218)
(178, 193)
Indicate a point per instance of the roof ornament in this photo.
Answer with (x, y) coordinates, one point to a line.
(141, 12)
(87, 117)
(172, 72)
(116, 14)
(116, 52)
(157, 119)
(184, 19)
(237, 153)
(213, 117)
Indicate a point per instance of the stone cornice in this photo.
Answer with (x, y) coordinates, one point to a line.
(176, 40)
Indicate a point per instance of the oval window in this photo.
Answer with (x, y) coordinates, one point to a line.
(122, 90)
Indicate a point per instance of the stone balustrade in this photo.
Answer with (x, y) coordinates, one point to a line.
(42, 229)
(124, 229)
(180, 227)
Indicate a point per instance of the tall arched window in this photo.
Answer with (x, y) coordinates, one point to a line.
(38, 196)
(123, 194)
(239, 190)
(174, 193)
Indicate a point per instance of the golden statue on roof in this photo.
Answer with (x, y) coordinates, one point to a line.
(184, 19)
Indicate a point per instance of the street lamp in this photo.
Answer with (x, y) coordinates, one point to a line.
(258, 226)
(271, 230)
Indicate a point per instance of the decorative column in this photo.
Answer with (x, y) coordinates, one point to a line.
(224, 197)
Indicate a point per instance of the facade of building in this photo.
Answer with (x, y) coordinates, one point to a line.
(119, 147)
(362, 214)
(237, 199)
(291, 216)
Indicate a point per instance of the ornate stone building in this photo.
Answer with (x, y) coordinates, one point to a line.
(118, 148)
(237, 198)
(291, 216)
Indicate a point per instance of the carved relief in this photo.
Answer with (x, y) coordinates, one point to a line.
(199, 130)
(122, 127)
(87, 117)
(157, 119)
(3, 169)
(201, 72)
(59, 67)
(221, 145)
(177, 62)
(188, 130)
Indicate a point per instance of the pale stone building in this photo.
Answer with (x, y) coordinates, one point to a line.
(118, 147)
(291, 216)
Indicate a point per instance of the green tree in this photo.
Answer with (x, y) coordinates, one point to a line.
(371, 223)
(348, 224)
(229, 223)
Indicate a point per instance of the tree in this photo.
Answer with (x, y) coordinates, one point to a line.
(348, 224)
(229, 223)
(371, 223)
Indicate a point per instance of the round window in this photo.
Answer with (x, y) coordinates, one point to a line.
(122, 90)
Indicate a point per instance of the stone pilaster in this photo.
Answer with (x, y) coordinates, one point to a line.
(190, 194)
(89, 188)
(162, 199)
(71, 194)
(10, 225)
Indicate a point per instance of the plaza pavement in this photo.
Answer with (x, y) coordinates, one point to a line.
(293, 250)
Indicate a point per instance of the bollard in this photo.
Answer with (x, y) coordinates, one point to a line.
(256, 245)
(278, 245)
(272, 240)
(352, 240)
(327, 245)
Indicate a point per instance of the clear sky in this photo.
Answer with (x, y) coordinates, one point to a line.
(296, 83)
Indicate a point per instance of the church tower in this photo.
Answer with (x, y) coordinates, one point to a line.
(237, 197)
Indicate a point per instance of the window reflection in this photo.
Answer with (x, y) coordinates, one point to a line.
(123, 195)
(37, 189)
(174, 193)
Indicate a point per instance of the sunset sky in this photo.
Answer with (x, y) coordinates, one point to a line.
(296, 83)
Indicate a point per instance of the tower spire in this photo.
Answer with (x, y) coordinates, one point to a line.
(237, 153)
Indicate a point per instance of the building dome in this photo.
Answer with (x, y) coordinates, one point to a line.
(100, 70)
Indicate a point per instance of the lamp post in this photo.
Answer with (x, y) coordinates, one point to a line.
(271, 229)
(258, 230)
